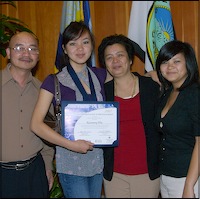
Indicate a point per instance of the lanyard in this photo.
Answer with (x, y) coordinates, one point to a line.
(86, 97)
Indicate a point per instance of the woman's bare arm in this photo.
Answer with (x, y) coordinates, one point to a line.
(44, 131)
(193, 172)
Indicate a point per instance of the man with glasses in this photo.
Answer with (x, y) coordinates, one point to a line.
(25, 161)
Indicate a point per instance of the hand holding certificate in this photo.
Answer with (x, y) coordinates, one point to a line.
(96, 122)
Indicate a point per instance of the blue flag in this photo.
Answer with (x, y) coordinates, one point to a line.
(71, 11)
(88, 22)
(150, 27)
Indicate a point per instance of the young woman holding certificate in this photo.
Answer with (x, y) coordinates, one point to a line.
(79, 165)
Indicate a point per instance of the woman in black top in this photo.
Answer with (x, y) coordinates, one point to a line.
(178, 120)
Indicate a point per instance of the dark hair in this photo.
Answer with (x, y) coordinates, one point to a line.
(72, 32)
(169, 50)
(115, 39)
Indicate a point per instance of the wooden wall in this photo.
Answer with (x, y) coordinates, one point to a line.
(108, 17)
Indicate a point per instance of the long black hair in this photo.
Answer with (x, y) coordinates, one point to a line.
(168, 51)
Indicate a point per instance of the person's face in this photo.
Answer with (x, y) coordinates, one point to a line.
(174, 70)
(79, 50)
(117, 60)
(18, 53)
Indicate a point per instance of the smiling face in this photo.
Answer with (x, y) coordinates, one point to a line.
(24, 60)
(174, 70)
(79, 50)
(117, 60)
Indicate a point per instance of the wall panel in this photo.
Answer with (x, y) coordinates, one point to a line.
(108, 17)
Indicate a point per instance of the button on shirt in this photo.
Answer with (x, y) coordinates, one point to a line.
(18, 141)
(178, 128)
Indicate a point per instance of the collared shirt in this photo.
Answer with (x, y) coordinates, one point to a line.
(18, 141)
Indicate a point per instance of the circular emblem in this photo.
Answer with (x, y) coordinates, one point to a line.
(159, 29)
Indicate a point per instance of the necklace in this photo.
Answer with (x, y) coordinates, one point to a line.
(133, 92)
(134, 85)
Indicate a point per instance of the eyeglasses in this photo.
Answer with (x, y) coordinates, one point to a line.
(31, 50)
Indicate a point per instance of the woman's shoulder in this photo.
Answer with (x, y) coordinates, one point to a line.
(192, 93)
(97, 69)
(101, 73)
(48, 83)
(192, 90)
(147, 81)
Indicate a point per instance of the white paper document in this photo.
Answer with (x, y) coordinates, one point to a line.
(93, 121)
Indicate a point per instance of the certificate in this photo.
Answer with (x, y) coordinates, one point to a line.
(92, 121)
